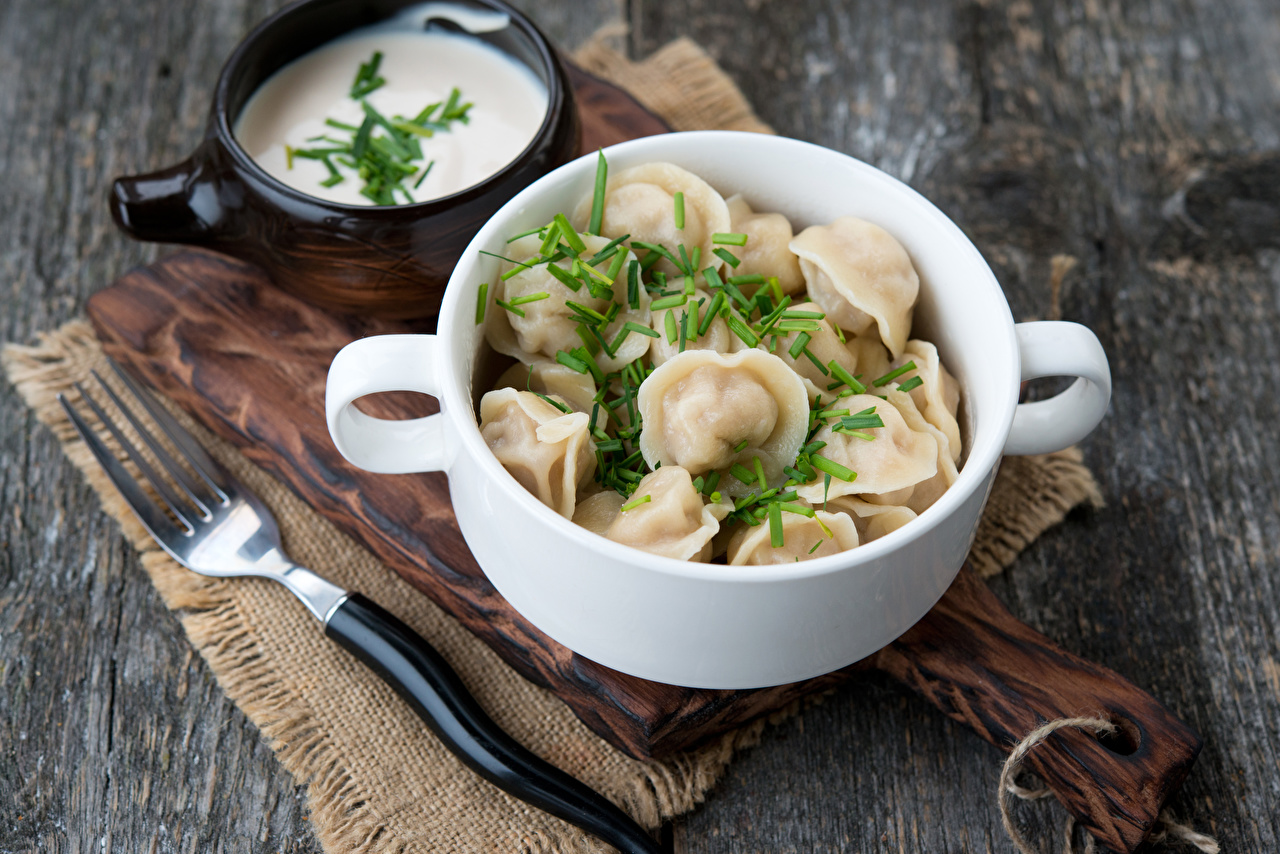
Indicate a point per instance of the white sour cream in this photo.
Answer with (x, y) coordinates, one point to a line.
(420, 68)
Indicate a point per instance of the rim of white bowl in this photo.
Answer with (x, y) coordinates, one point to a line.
(986, 449)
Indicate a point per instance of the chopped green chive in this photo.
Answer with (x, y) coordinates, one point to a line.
(913, 383)
(669, 302)
(742, 473)
(713, 480)
(670, 326)
(481, 302)
(740, 447)
(816, 546)
(569, 234)
(728, 257)
(838, 371)
(797, 346)
(737, 327)
(571, 361)
(863, 420)
(633, 284)
(712, 310)
(759, 469)
(833, 468)
(660, 250)
(679, 198)
(729, 239)
(685, 266)
(557, 404)
(597, 198)
(775, 526)
(509, 307)
(634, 503)
(748, 279)
(528, 298)
(893, 375)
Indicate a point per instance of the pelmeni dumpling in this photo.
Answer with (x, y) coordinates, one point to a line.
(927, 491)
(597, 512)
(701, 406)
(938, 399)
(552, 378)
(861, 276)
(767, 251)
(873, 521)
(675, 522)
(548, 325)
(548, 451)
(800, 534)
(825, 347)
(718, 336)
(640, 201)
(870, 356)
(888, 467)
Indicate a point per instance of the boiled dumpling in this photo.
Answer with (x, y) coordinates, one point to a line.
(548, 325)
(873, 521)
(548, 451)
(718, 337)
(861, 276)
(870, 356)
(825, 347)
(888, 467)
(767, 252)
(938, 398)
(675, 522)
(640, 201)
(597, 512)
(552, 378)
(800, 535)
(700, 407)
(927, 491)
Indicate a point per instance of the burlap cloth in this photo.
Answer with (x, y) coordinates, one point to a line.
(376, 779)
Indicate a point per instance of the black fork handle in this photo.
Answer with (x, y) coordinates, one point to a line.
(425, 680)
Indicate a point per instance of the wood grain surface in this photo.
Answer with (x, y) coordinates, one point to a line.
(1140, 139)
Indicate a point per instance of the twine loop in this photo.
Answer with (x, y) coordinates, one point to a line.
(1168, 827)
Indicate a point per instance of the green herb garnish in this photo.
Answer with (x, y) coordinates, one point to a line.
(597, 198)
(893, 375)
(679, 201)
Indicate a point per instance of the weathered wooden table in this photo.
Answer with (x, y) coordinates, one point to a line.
(1140, 141)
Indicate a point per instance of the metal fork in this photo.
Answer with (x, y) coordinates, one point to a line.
(220, 528)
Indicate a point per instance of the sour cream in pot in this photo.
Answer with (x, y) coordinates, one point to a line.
(509, 104)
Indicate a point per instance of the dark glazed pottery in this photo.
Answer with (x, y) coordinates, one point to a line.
(390, 262)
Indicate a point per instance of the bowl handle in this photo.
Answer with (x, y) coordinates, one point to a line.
(377, 364)
(180, 204)
(1056, 348)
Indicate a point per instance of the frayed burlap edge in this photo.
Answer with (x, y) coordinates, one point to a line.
(679, 82)
(205, 606)
(343, 812)
(1030, 496)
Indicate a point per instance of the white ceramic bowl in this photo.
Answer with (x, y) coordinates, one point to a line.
(707, 625)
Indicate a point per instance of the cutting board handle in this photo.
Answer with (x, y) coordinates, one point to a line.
(979, 665)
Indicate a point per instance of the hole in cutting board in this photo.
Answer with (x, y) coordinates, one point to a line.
(1125, 740)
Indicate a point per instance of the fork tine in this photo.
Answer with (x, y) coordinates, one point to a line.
(148, 512)
(166, 493)
(208, 468)
(171, 465)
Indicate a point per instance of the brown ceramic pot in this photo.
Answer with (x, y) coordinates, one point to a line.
(385, 261)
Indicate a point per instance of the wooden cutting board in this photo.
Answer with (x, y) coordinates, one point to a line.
(250, 362)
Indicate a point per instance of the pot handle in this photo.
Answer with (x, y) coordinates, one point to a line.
(176, 205)
(377, 364)
(1056, 348)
